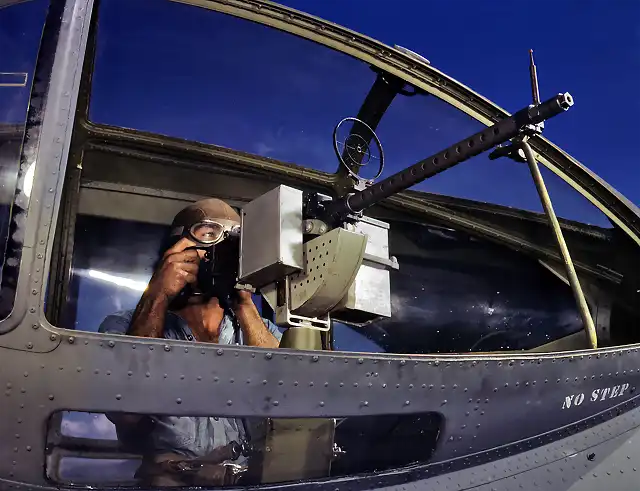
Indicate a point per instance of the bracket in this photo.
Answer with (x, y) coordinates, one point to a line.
(331, 263)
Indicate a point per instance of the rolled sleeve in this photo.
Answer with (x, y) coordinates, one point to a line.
(273, 329)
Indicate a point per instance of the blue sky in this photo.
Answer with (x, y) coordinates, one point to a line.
(185, 72)
(590, 48)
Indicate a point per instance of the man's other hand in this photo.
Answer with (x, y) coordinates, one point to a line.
(243, 298)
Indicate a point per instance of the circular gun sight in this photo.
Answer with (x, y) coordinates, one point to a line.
(357, 149)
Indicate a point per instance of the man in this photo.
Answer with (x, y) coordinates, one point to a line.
(180, 304)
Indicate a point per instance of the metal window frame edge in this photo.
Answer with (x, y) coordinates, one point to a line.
(51, 158)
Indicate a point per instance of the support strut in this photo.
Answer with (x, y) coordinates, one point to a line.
(583, 308)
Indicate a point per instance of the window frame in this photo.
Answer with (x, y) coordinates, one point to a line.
(60, 348)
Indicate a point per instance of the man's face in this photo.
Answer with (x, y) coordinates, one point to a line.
(217, 245)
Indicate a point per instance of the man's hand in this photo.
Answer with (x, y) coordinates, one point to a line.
(179, 267)
(243, 298)
(253, 327)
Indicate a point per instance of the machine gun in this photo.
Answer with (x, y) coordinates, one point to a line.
(315, 258)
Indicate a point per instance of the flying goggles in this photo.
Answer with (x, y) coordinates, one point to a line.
(210, 231)
(219, 238)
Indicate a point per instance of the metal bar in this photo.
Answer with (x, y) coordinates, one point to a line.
(145, 191)
(459, 152)
(533, 73)
(382, 93)
(13, 79)
(583, 308)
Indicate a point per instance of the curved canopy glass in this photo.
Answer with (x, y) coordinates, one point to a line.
(219, 79)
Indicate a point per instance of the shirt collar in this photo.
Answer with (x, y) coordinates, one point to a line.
(181, 330)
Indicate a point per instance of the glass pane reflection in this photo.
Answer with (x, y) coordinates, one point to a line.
(457, 294)
(20, 32)
(189, 451)
(87, 425)
(113, 261)
(84, 470)
(452, 294)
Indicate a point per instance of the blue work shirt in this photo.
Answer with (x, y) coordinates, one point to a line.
(189, 436)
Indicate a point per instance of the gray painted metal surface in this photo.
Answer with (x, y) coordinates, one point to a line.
(505, 422)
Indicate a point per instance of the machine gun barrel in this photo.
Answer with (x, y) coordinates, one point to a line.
(459, 152)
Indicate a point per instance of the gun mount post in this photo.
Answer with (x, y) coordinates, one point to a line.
(494, 135)
(572, 276)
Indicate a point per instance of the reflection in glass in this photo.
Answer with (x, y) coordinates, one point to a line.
(456, 294)
(85, 470)
(20, 31)
(113, 261)
(211, 451)
(87, 425)
(452, 293)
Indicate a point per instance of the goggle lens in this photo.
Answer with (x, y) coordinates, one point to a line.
(210, 232)
(207, 233)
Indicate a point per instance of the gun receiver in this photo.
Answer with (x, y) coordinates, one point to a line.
(354, 203)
